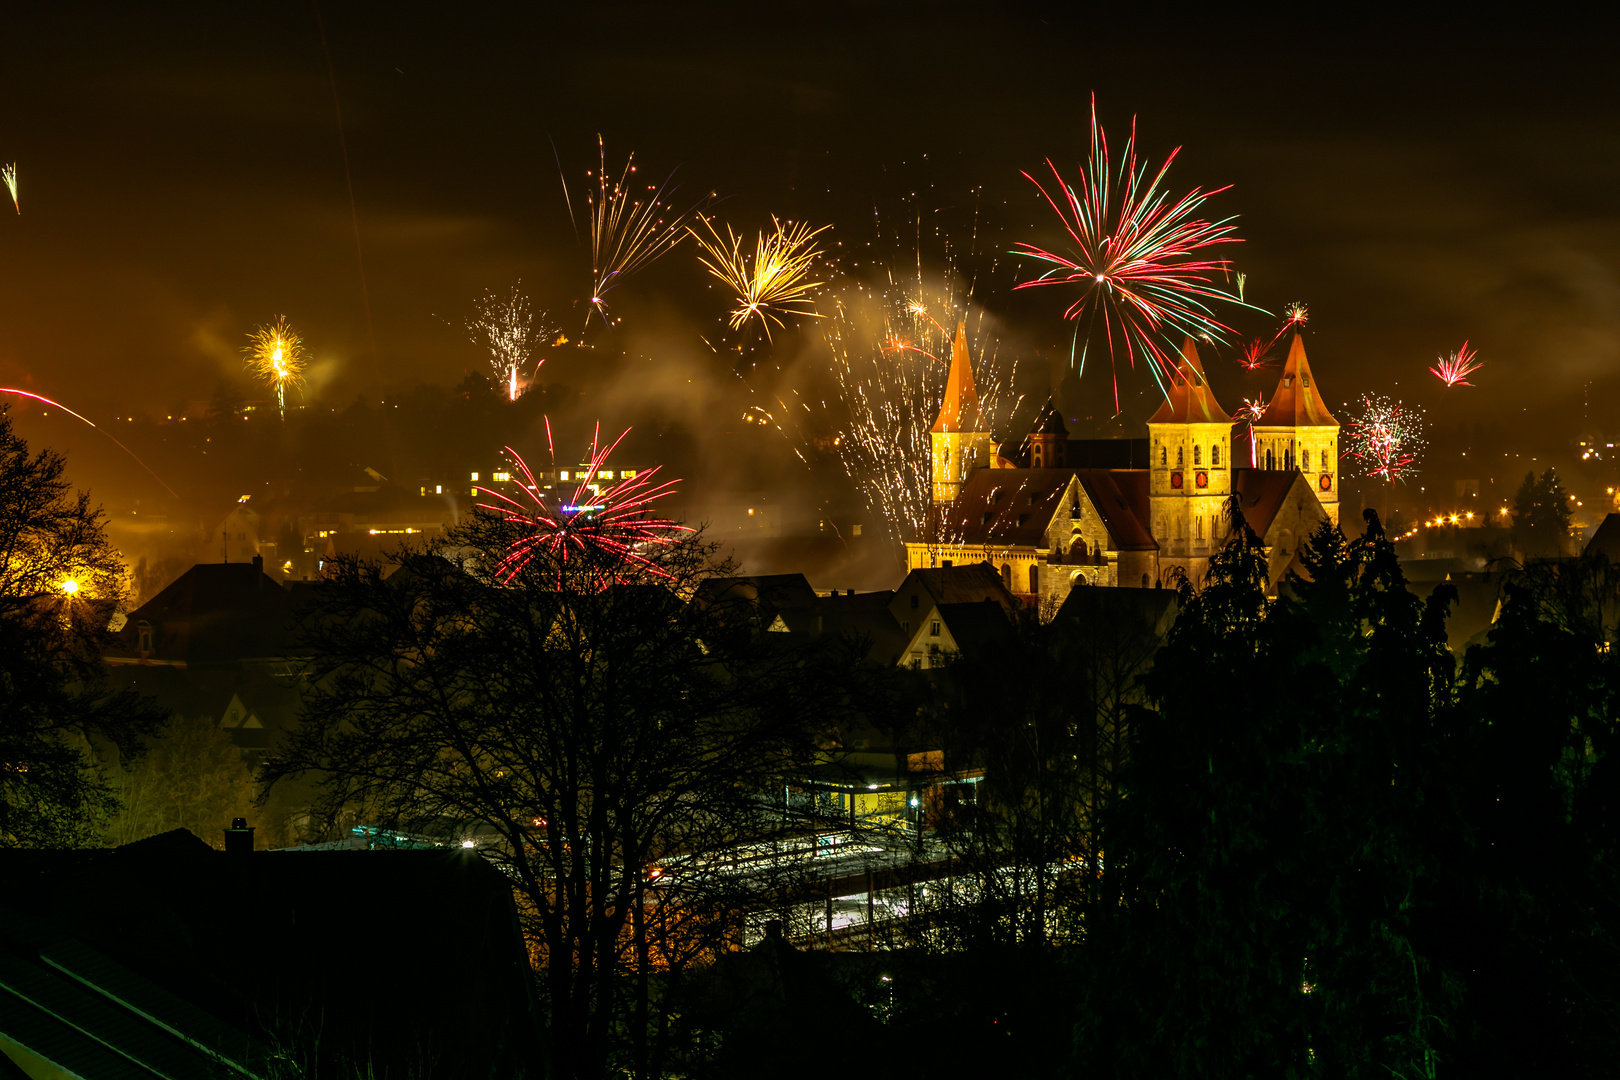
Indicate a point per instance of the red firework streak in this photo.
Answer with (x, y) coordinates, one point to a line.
(1455, 369)
(92, 423)
(1253, 409)
(612, 521)
(1135, 256)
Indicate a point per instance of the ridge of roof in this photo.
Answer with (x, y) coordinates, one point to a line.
(1188, 399)
(1297, 402)
(959, 411)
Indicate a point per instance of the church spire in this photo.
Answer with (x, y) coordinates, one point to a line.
(1297, 402)
(1188, 399)
(960, 409)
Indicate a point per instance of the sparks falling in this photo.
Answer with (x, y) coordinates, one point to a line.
(276, 355)
(1256, 355)
(774, 280)
(1136, 256)
(58, 405)
(629, 229)
(506, 326)
(8, 173)
(1385, 439)
(603, 529)
(1455, 369)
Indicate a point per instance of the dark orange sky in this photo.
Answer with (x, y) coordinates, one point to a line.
(1417, 183)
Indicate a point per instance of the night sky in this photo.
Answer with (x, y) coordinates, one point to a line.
(182, 179)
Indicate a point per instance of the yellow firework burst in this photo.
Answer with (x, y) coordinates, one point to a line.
(276, 354)
(8, 175)
(774, 280)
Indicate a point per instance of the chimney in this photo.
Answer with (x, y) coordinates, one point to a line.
(849, 592)
(258, 563)
(239, 837)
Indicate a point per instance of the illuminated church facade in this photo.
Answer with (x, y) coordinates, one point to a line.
(1051, 513)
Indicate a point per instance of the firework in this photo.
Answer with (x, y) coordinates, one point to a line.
(1295, 315)
(8, 173)
(772, 282)
(506, 327)
(58, 405)
(887, 360)
(1256, 355)
(276, 355)
(1251, 412)
(1455, 369)
(1136, 256)
(1386, 439)
(603, 528)
(628, 230)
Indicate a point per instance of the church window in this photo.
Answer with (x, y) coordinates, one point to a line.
(1164, 455)
(1198, 455)
(1037, 456)
(1305, 460)
(1006, 576)
(1179, 459)
(947, 453)
(1034, 579)
(1215, 454)
(1198, 527)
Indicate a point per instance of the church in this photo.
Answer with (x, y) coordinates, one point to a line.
(1051, 513)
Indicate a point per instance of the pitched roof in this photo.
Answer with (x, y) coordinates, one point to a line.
(214, 613)
(1121, 499)
(1297, 402)
(1188, 399)
(963, 584)
(1260, 494)
(1015, 507)
(975, 627)
(1606, 539)
(960, 409)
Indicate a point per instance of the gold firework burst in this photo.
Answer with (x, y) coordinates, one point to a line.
(276, 354)
(771, 282)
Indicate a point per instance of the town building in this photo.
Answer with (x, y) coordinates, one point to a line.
(1050, 513)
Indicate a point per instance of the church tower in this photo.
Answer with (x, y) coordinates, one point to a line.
(1298, 432)
(1190, 471)
(960, 439)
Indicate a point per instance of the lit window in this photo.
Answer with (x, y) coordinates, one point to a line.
(474, 491)
(607, 474)
(501, 476)
(438, 489)
(627, 474)
(563, 475)
(475, 476)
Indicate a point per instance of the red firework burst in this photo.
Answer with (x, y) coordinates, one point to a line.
(1256, 355)
(1386, 439)
(1136, 255)
(1455, 369)
(608, 528)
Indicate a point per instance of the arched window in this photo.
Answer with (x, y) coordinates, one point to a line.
(1271, 461)
(1077, 551)
(1179, 458)
(1164, 455)
(1215, 454)
(1036, 454)
(1034, 578)
(1144, 581)
(1006, 576)
(1198, 527)
(1305, 460)
(1198, 455)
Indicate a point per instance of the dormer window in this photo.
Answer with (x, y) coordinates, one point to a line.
(1288, 382)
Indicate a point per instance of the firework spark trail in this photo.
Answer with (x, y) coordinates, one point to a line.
(8, 173)
(773, 281)
(506, 326)
(1251, 412)
(1385, 439)
(627, 233)
(1455, 369)
(92, 423)
(890, 399)
(606, 529)
(1136, 257)
(276, 355)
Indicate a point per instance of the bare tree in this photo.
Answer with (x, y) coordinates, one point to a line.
(608, 743)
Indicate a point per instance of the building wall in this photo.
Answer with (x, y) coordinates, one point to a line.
(1296, 519)
(1312, 450)
(1190, 481)
(954, 455)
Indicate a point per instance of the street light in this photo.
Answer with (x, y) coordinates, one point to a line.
(70, 587)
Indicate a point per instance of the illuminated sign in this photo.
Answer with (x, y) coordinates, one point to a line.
(570, 509)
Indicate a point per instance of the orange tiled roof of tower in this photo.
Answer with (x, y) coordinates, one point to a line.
(960, 409)
(1297, 402)
(1190, 400)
